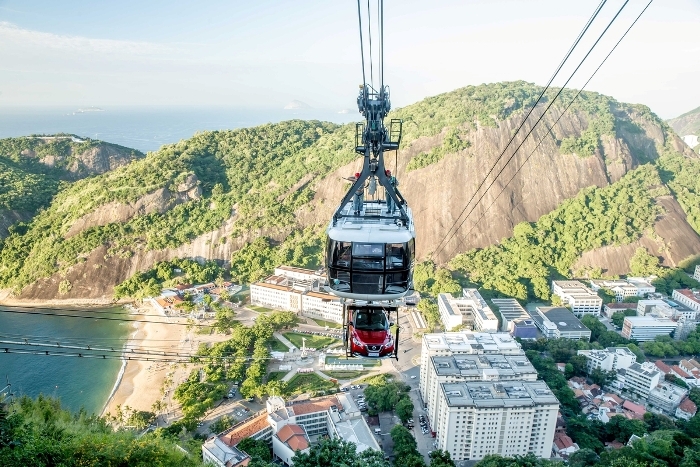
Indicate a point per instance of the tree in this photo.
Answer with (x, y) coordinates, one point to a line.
(404, 442)
(404, 409)
(256, 449)
(583, 458)
(440, 458)
(602, 377)
(336, 453)
(621, 428)
(578, 364)
(222, 423)
(644, 264)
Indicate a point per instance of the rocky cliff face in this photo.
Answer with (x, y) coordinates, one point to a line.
(537, 179)
(439, 193)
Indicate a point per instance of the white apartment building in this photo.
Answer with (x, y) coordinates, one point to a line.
(464, 367)
(281, 297)
(620, 287)
(322, 306)
(666, 397)
(462, 343)
(511, 311)
(696, 276)
(646, 328)
(581, 299)
(610, 359)
(640, 379)
(688, 298)
(470, 310)
(297, 290)
(475, 419)
(643, 285)
(450, 314)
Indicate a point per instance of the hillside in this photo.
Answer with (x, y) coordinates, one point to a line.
(687, 124)
(251, 197)
(32, 169)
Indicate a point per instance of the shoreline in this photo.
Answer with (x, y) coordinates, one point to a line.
(7, 299)
(120, 375)
(139, 384)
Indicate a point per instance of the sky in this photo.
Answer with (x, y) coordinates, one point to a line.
(266, 53)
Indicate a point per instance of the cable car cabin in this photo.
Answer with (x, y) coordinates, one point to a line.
(370, 257)
(368, 331)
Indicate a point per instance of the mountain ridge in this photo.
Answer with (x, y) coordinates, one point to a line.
(274, 180)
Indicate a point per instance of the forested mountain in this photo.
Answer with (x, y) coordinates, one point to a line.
(32, 169)
(687, 124)
(254, 197)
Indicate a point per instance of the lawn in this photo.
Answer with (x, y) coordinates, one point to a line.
(309, 382)
(260, 309)
(205, 330)
(345, 374)
(276, 375)
(277, 346)
(353, 361)
(330, 324)
(312, 341)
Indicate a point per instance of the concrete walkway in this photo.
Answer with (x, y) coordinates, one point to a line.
(285, 341)
(322, 375)
(289, 375)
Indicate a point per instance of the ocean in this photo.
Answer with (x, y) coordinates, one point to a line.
(148, 128)
(78, 382)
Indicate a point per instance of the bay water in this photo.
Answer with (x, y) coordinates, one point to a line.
(78, 382)
(148, 128)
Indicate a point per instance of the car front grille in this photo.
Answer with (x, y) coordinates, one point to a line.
(374, 348)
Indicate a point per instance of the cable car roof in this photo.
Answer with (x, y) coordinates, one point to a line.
(373, 226)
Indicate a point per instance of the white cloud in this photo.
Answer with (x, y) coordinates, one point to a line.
(11, 34)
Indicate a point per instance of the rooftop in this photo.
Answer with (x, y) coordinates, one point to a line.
(229, 456)
(561, 317)
(688, 406)
(356, 430)
(482, 394)
(468, 342)
(293, 436)
(479, 365)
(246, 430)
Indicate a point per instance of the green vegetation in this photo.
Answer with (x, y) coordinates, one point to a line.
(666, 346)
(276, 375)
(243, 357)
(352, 361)
(256, 449)
(28, 184)
(260, 309)
(40, 433)
(383, 394)
(312, 341)
(345, 374)
(329, 324)
(336, 452)
(151, 282)
(682, 175)
(452, 143)
(522, 266)
(618, 317)
(405, 448)
(308, 383)
(278, 346)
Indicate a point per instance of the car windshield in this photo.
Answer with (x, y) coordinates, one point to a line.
(371, 321)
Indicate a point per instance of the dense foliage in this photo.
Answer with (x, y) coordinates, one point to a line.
(337, 452)
(163, 274)
(40, 433)
(383, 394)
(241, 358)
(453, 142)
(522, 266)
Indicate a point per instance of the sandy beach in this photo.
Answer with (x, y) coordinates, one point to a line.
(141, 381)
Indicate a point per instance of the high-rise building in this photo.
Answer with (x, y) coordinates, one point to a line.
(475, 419)
(482, 397)
(646, 328)
(610, 359)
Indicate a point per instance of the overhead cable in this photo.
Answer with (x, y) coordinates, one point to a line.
(549, 130)
(538, 120)
(441, 245)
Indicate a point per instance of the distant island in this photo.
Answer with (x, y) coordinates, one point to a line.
(296, 105)
(88, 109)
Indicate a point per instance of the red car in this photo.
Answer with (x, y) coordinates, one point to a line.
(370, 335)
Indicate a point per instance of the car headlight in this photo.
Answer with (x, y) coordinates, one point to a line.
(356, 341)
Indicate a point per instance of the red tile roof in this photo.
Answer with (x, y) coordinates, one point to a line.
(294, 436)
(663, 368)
(303, 408)
(614, 397)
(688, 406)
(635, 408)
(677, 370)
(246, 430)
(563, 441)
